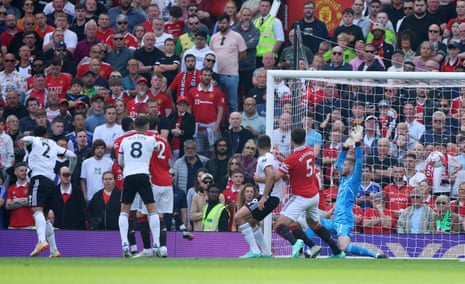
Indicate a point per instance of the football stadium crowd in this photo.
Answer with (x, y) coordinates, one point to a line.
(87, 69)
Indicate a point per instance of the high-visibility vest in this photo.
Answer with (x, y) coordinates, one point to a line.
(210, 221)
(267, 39)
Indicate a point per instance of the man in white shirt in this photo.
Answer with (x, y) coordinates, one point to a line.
(109, 131)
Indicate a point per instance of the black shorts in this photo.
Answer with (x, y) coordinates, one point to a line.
(270, 204)
(41, 190)
(139, 183)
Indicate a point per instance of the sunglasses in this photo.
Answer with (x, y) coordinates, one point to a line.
(207, 181)
(211, 60)
(441, 203)
(408, 8)
(118, 38)
(2, 13)
(9, 60)
(433, 31)
(337, 53)
(194, 23)
(66, 174)
(122, 23)
(370, 51)
(222, 40)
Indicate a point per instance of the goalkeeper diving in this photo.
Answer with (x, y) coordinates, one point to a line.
(350, 171)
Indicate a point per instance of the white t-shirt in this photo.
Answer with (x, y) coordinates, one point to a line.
(43, 156)
(107, 134)
(279, 187)
(70, 38)
(135, 153)
(92, 170)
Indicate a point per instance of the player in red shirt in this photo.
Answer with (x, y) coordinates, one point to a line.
(378, 220)
(300, 167)
(56, 80)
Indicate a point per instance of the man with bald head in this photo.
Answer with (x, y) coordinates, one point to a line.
(149, 55)
(236, 135)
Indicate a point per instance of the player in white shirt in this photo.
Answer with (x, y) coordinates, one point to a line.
(134, 157)
(41, 161)
(271, 192)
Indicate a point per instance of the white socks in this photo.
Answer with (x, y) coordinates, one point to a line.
(248, 233)
(123, 227)
(154, 223)
(257, 232)
(51, 237)
(39, 219)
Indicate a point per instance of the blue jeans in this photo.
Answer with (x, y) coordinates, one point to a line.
(230, 86)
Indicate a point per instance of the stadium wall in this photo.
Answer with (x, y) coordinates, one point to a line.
(18, 243)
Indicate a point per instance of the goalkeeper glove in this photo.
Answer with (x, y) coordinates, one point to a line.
(349, 142)
(356, 133)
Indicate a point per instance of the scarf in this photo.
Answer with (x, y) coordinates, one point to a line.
(378, 44)
(183, 82)
(444, 224)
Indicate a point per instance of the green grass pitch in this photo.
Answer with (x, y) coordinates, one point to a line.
(237, 271)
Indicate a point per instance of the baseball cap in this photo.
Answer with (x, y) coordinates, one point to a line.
(378, 26)
(60, 44)
(62, 101)
(182, 99)
(205, 176)
(371, 117)
(80, 103)
(142, 80)
(453, 44)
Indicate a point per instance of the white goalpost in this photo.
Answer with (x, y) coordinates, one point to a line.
(300, 93)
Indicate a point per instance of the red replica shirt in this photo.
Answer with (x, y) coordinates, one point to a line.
(159, 164)
(455, 106)
(134, 107)
(371, 213)
(177, 83)
(163, 101)
(330, 152)
(174, 29)
(300, 166)
(205, 103)
(103, 36)
(130, 41)
(20, 217)
(230, 199)
(105, 70)
(60, 84)
(396, 198)
(40, 96)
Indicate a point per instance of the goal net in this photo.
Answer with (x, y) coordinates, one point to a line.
(413, 140)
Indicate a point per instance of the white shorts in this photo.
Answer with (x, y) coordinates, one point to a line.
(164, 198)
(298, 204)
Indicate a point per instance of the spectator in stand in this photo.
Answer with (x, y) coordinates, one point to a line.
(58, 81)
(458, 206)
(174, 25)
(138, 104)
(187, 165)
(378, 220)
(12, 79)
(382, 162)
(426, 54)
(133, 16)
(187, 39)
(368, 189)
(415, 219)
(103, 29)
(218, 164)
(337, 63)
(313, 31)
(200, 200)
(370, 63)
(17, 200)
(230, 9)
(451, 60)
(355, 32)
(438, 132)
(231, 195)
(103, 210)
(13, 106)
(287, 60)
(68, 205)
(122, 26)
(70, 37)
(191, 192)
(412, 177)
(139, 32)
(62, 53)
(271, 32)
(9, 33)
(250, 118)
(110, 130)
(418, 23)
(42, 28)
(207, 103)
(184, 80)
(248, 160)
(236, 135)
(158, 28)
(397, 61)
(200, 50)
(129, 81)
(444, 220)
(397, 192)
(78, 23)
(83, 46)
(181, 127)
